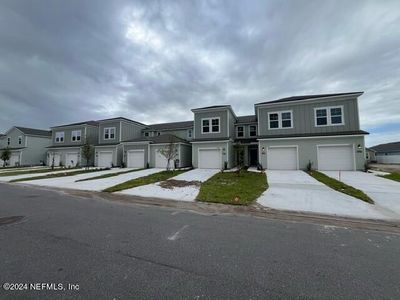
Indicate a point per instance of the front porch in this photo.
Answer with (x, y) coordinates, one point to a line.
(246, 154)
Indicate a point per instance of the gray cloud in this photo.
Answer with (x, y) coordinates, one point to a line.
(152, 61)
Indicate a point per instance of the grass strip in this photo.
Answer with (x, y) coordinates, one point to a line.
(238, 188)
(108, 175)
(149, 179)
(24, 172)
(60, 174)
(392, 176)
(340, 186)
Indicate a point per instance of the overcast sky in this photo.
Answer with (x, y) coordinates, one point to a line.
(68, 61)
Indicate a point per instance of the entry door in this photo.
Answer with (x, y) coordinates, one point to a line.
(253, 153)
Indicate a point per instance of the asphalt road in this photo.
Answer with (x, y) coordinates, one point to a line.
(115, 250)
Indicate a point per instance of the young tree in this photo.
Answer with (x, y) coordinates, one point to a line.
(170, 152)
(87, 152)
(5, 156)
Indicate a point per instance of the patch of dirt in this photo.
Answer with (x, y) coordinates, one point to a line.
(172, 183)
(385, 167)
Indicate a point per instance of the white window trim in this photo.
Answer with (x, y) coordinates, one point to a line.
(328, 116)
(250, 130)
(59, 134)
(280, 119)
(210, 122)
(20, 139)
(189, 136)
(109, 133)
(237, 132)
(80, 136)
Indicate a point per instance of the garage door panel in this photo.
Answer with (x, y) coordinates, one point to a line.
(135, 159)
(336, 158)
(161, 161)
(282, 158)
(105, 159)
(14, 160)
(71, 160)
(57, 159)
(210, 159)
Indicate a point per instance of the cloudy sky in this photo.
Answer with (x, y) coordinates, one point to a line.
(67, 61)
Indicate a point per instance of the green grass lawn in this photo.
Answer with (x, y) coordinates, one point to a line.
(24, 172)
(60, 174)
(233, 188)
(153, 178)
(340, 186)
(392, 176)
(108, 175)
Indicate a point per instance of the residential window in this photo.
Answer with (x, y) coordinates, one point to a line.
(205, 126)
(329, 116)
(8, 141)
(210, 125)
(158, 133)
(253, 130)
(109, 133)
(215, 125)
(189, 133)
(20, 140)
(60, 137)
(146, 134)
(280, 120)
(240, 131)
(76, 135)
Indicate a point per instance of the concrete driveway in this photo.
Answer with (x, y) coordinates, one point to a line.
(181, 193)
(384, 192)
(297, 191)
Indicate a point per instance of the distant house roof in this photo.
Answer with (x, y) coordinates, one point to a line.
(213, 106)
(161, 139)
(247, 119)
(170, 126)
(389, 147)
(308, 97)
(278, 136)
(2, 135)
(92, 123)
(33, 131)
(120, 118)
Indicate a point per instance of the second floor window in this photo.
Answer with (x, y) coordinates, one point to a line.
(20, 140)
(240, 131)
(189, 133)
(146, 134)
(329, 116)
(76, 136)
(59, 137)
(8, 141)
(253, 130)
(210, 125)
(109, 133)
(280, 120)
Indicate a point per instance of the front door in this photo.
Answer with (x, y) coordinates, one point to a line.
(253, 156)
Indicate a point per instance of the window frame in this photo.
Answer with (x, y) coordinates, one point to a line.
(255, 130)
(210, 125)
(58, 135)
(76, 136)
(109, 133)
(190, 133)
(280, 121)
(329, 116)
(8, 141)
(237, 131)
(20, 140)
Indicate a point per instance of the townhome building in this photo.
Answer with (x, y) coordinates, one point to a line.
(27, 146)
(67, 141)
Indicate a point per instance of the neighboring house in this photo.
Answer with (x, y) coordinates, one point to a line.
(27, 145)
(284, 134)
(67, 142)
(387, 153)
(370, 155)
(108, 151)
(145, 151)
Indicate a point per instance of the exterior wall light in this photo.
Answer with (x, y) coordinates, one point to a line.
(263, 150)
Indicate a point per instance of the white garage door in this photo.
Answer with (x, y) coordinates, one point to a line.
(71, 159)
(105, 159)
(161, 161)
(210, 159)
(335, 158)
(56, 160)
(135, 159)
(282, 158)
(14, 159)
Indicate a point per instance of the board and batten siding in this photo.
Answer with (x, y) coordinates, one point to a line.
(91, 135)
(304, 117)
(221, 114)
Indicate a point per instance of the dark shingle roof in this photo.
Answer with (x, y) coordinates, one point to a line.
(277, 136)
(93, 123)
(247, 119)
(171, 126)
(121, 118)
(161, 139)
(389, 147)
(213, 106)
(33, 131)
(306, 97)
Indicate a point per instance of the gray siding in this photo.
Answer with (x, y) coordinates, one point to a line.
(308, 149)
(14, 134)
(102, 126)
(304, 119)
(91, 135)
(123, 131)
(130, 131)
(35, 153)
(246, 128)
(185, 156)
(222, 114)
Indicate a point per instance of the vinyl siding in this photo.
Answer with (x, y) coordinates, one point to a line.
(246, 128)
(222, 114)
(14, 134)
